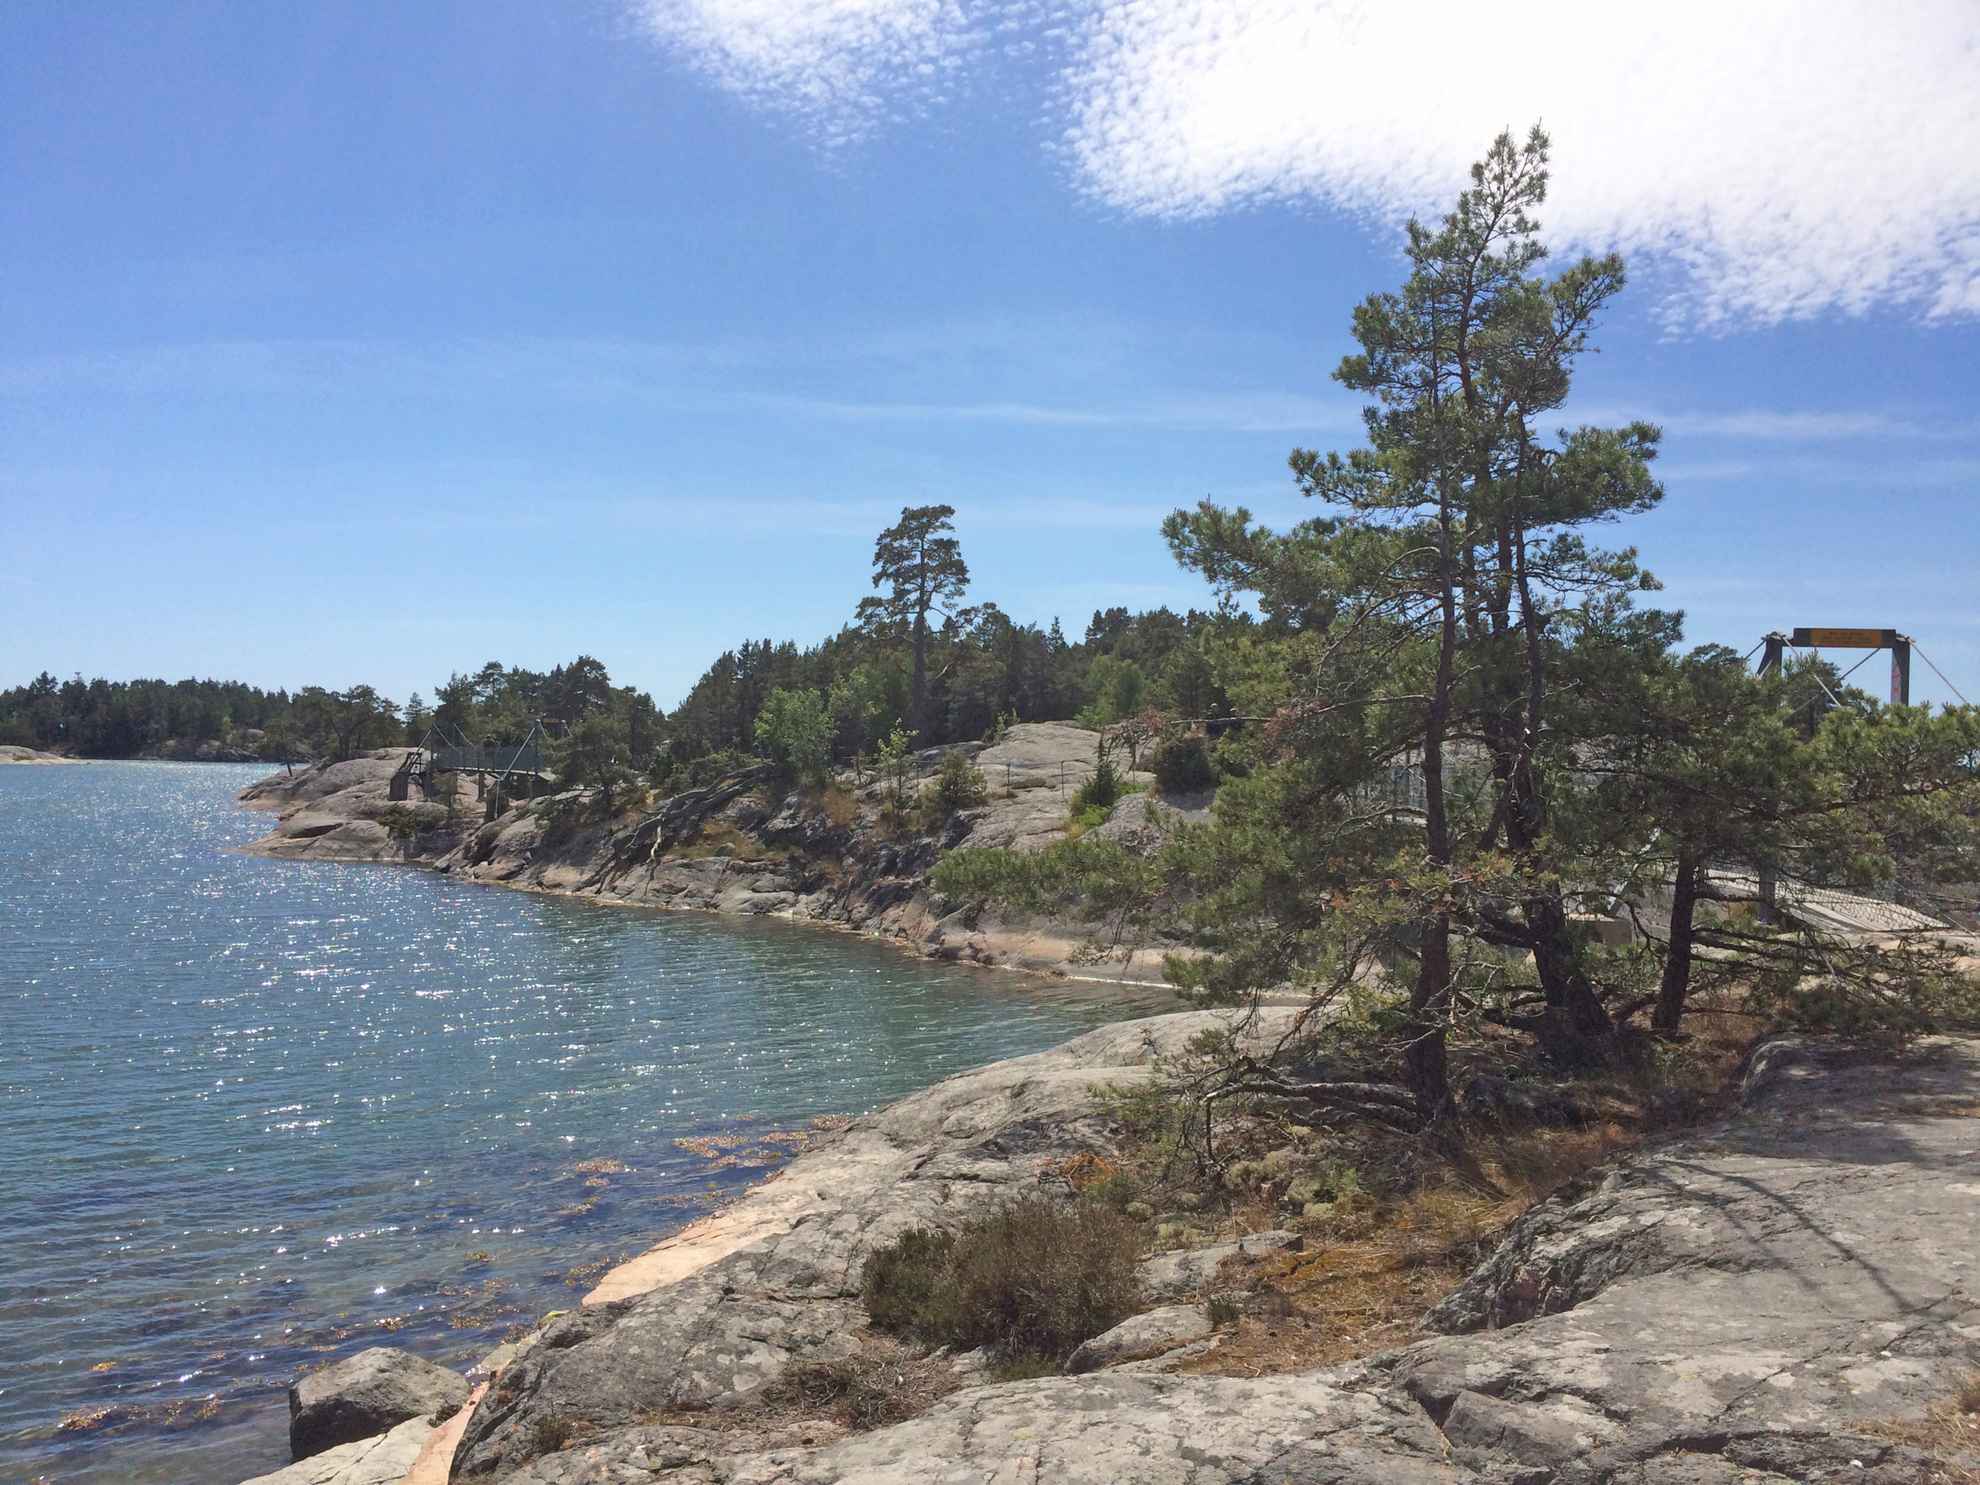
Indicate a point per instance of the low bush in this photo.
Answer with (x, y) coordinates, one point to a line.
(1030, 1280)
(399, 821)
(553, 1433)
(958, 785)
(1090, 818)
(1183, 766)
(1101, 791)
(858, 1391)
(839, 805)
(698, 773)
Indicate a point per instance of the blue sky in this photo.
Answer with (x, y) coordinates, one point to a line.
(370, 341)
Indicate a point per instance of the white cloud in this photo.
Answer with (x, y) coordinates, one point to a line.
(841, 65)
(1775, 159)
(1789, 158)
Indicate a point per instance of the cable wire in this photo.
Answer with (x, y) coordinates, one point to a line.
(1940, 674)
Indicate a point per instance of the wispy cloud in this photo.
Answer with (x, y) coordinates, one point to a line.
(1776, 160)
(1789, 425)
(1906, 473)
(1798, 427)
(721, 378)
(841, 65)
(1265, 412)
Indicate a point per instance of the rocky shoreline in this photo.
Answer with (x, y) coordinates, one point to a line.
(1785, 1296)
(14, 753)
(728, 849)
(1789, 1295)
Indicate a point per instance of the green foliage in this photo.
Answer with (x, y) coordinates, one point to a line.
(702, 771)
(890, 761)
(1893, 994)
(499, 704)
(1031, 1279)
(593, 756)
(1091, 878)
(1116, 689)
(1102, 790)
(342, 724)
(1090, 818)
(794, 730)
(958, 785)
(119, 719)
(1182, 765)
(919, 568)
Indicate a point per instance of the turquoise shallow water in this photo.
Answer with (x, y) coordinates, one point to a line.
(255, 1113)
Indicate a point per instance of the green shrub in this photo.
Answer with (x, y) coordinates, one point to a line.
(698, 773)
(399, 821)
(1223, 1310)
(903, 1282)
(794, 730)
(1090, 818)
(1235, 755)
(958, 785)
(1102, 791)
(1031, 1279)
(1182, 765)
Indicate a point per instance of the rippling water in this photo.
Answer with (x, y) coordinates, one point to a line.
(254, 1114)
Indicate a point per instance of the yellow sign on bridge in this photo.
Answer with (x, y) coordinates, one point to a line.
(1843, 639)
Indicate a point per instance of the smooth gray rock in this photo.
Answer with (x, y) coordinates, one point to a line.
(1743, 1306)
(1098, 1430)
(366, 1394)
(935, 1159)
(1185, 1271)
(383, 1460)
(1139, 1337)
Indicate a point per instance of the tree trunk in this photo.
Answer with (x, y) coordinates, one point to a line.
(1425, 1070)
(918, 688)
(1576, 1029)
(1676, 984)
(1424, 1066)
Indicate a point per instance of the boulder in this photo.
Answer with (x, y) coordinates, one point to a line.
(375, 1461)
(367, 1394)
(1140, 1337)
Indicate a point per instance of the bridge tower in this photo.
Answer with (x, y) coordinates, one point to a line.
(1777, 644)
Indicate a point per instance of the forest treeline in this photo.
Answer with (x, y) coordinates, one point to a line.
(938, 672)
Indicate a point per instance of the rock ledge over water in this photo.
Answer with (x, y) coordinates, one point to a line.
(1768, 1301)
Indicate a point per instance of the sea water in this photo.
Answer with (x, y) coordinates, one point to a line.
(258, 1114)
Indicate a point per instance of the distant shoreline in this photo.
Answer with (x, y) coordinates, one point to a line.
(784, 857)
(13, 753)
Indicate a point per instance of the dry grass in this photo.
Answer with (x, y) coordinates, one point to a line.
(1949, 1433)
(839, 805)
(1377, 1258)
(721, 839)
(881, 1383)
